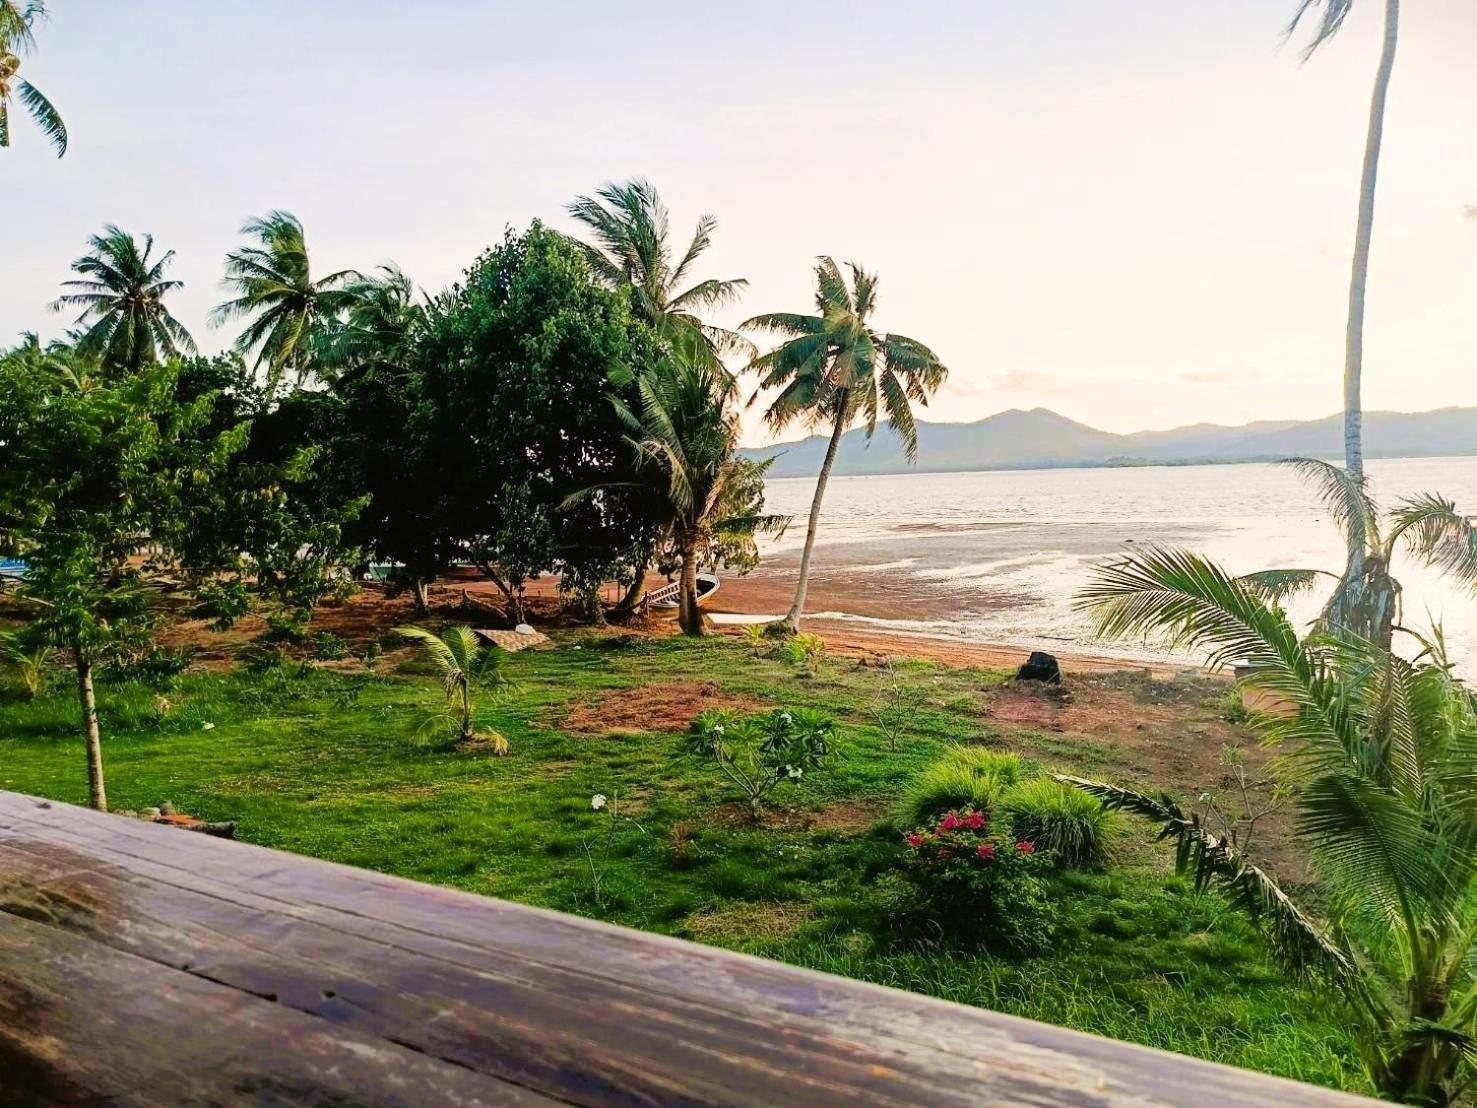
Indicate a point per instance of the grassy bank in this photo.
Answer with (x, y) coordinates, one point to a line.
(320, 761)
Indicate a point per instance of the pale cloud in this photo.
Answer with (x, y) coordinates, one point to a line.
(1221, 376)
(1470, 211)
(1025, 380)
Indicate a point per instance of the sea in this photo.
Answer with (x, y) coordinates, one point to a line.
(1000, 556)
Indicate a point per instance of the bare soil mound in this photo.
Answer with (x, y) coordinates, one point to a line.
(666, 708)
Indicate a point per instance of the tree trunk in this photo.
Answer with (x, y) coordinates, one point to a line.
(635, 593)
(97, 792)
(1359, 280)
(797, 608)
(1366, 601)
(466, 689)
(689, 614)
(418, 595)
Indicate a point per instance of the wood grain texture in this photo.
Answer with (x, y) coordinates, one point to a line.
(142, 965)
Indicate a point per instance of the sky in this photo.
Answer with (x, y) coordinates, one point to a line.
(1138, 213)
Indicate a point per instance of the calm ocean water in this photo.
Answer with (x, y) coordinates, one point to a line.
(998, 556)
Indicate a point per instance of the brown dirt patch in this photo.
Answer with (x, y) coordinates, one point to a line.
(1027, 705)
(1147, 734)
(745, 922)
(666, 708)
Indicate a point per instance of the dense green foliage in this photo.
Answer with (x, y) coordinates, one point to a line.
(113, 490)
(322, 762)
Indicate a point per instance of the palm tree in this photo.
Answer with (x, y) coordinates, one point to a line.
(288, 310)
(122, 302)
(833, 368)
(381, 320)
(1333, 13)
(17, 37)
(1382, 755)
(1367, 603)
(633, 250)
(685, 435)
(464, 661)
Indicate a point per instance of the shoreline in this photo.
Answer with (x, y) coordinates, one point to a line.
(852, 633)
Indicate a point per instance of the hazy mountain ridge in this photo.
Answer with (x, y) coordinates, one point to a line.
(1041, 439)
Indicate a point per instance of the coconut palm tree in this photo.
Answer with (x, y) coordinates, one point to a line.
(685, 433)
(382, 315)
(1367, 603)
(17, 38)
(1330, 17)
(464, 661)
(287, 309)
(1381, 754)
(632, 249)
(122, 300)
(833, 368)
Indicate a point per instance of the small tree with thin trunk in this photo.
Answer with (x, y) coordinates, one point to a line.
(833, 369)
(93, 478)
(110, 488)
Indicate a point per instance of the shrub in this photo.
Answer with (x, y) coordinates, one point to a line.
(802, 649)
(965, 777)
(328, 647)
(759, 752)
(1069, 824)
(973, 888)
(31, 657)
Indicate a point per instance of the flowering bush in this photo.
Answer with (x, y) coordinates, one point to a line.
(974, 887)
(757, 753)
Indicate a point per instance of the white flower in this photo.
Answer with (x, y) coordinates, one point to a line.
(207, 727)
(718, 729)
(597, 801)
(787, 717)
(795, 772)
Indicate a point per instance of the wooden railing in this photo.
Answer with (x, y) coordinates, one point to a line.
(144, 965)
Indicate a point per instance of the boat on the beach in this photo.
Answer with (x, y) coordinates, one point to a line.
(666, 596)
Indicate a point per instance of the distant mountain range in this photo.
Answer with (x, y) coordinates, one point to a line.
(1042, 439)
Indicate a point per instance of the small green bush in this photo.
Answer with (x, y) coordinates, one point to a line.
(328, 647)
(963, 885)
(760, 752)
(965, 777)
(1071, 826)
(802, 649)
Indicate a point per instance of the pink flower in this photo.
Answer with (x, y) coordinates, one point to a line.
(949, 822)
(1025, 847)
(987, 851)
(915, 840)
(974, 821)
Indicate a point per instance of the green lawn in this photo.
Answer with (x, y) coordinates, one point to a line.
(319, 762)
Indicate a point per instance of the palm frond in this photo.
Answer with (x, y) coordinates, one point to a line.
(1330, 19)
(45, 115)
(1345, 496)
(1212, 861)
(1439, 534)
(1278, 585)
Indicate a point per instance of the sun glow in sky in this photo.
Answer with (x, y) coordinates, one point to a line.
(1138, 212)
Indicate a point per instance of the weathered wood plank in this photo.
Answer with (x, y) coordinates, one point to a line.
(81, 1024)
(566, 1007)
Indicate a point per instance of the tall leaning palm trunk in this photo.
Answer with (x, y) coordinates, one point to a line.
(812, 525)
(1363, 234)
